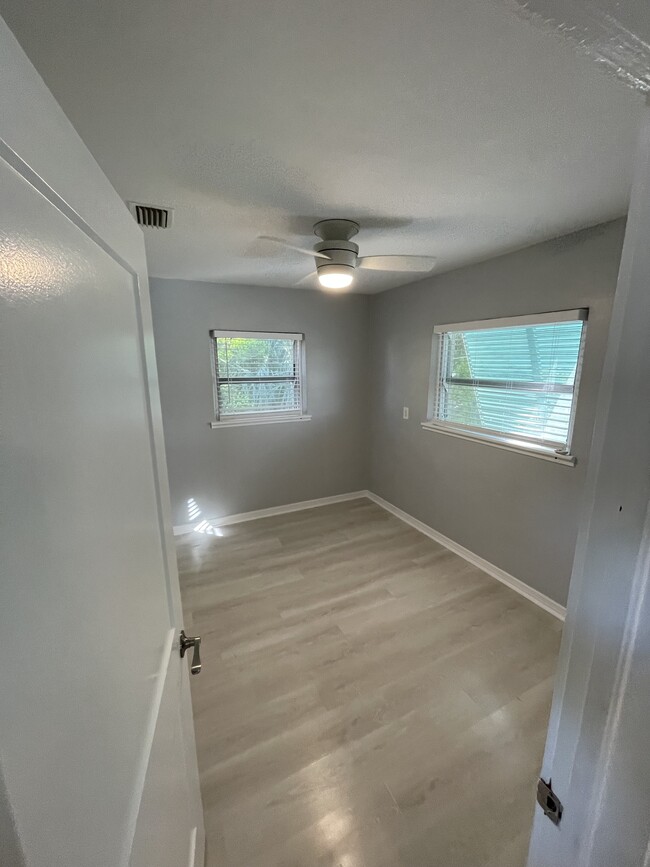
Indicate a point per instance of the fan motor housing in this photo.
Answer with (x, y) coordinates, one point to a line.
(331, 230)
(342, 255)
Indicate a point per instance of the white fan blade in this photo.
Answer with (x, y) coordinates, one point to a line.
(397, 263)
(284, 243)
(306, 279)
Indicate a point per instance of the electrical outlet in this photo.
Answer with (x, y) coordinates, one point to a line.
(405, 413)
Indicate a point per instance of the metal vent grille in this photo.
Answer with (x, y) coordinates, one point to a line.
(151, 215)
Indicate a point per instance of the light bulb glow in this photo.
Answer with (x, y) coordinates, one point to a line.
(335, 278)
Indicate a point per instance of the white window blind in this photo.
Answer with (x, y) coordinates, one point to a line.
(257, 375)
(514, 378)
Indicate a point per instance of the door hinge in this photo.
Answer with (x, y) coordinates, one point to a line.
(549, 801)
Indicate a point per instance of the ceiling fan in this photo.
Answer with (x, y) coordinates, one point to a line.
(337, 256)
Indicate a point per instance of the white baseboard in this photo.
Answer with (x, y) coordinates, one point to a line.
(530, 593)
(180, 529)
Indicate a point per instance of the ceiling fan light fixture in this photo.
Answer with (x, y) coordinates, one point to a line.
(337, 257)
(335, 277)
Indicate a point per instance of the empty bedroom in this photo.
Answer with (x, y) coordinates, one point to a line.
(318, 375)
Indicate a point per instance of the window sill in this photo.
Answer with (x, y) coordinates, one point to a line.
(215, 425)
(512, 445)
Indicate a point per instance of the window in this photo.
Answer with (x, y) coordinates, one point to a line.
(258, 377)
(512, 382)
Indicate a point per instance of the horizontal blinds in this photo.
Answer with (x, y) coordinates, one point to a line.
(518, 380)
(516, 321)
(257, 374)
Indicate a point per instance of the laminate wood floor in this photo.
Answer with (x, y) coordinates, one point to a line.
(368, 698)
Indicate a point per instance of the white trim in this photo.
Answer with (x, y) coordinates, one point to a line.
(258, 335)
(502, 441)
(191, 861)
(516, 321)
(243, 421)
(149, 736)
(576, 384)
(515, 584)
(180, 529)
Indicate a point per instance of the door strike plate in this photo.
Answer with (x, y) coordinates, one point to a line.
(549, 801)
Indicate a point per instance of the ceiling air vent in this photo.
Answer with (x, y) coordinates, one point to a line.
(151, 215)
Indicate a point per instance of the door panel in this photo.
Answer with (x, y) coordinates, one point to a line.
(87, 604)
(597, 747)
(166, 843)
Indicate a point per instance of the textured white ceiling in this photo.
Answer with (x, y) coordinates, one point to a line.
(613, 33)
(445, 127)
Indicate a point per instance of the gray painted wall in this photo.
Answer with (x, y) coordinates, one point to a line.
(519, 512)
(241, 469)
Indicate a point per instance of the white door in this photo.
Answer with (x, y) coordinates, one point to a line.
(598, 747)
(97, 759)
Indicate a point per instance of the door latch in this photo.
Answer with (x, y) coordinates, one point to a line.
(185, 643)
(549, 801)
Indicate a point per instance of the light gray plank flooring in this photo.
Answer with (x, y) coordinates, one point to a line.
(368, 698)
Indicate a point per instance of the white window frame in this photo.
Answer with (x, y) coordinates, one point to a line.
(254, 418)
(521, 444)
